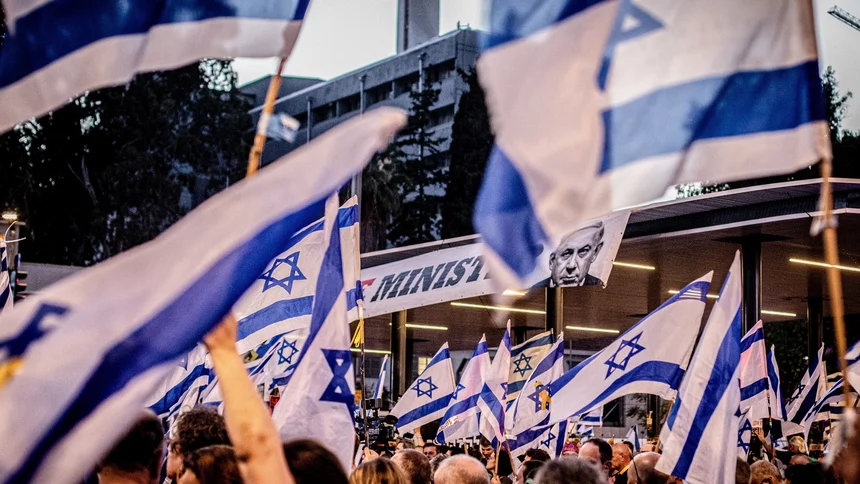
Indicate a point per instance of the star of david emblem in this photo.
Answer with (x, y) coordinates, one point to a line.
(430, 387)
(286, 283)
(742, 444)
(522, 364)
(541, 396)
(796, 395)
(548, 442)
(457, 390)
(289, 346)
(338, 391)
(17, 345)
(635, 349)
(631, 22)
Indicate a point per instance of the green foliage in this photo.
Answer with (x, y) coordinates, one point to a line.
(790, 338)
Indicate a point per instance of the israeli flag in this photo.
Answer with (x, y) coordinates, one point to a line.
(524, 357)
(491, 402)
(428, 397)
(182, 388)
(642, 360)
(381, 379)
(55, 50)
(705, 414)
(777, 409)
(633, 437)
(5, 283)
(853, 360)
(114, 328)
(822, 408)
(320, 393)
(813, 386)
(550, 438)
(461, 417)
(745, 430)
(593, 418)
(585, 430)
(589, 98)
(533, 405)
(754, 389)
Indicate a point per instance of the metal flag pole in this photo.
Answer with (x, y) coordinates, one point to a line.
(263, 123)
(359, 331)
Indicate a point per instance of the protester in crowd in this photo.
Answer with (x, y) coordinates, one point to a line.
(599, 452)
(215, 464)
(461, 469)
(488, 454)
(195, 429)
(621, 457)
(763, 472)
(137, 457)
(311, 463)
(642, 470)
(796, 446)
(806, 474)
(536, 454)
(799, 460)
(629, 447)
(570, 448)
(648, 447)
(253, 433)
(529, 470)
(430, 450)
(568, 470)
(742, 472)
(377, 471)
(505, 470)
(435, 462)
(414, 465)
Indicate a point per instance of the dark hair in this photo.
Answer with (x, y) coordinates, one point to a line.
(485, 442)
(506, 467)
(377, 471)
(430, 444)
(414, 465)
(198, 428)
(603, 447)
(531, 468)
(806, 474)
(141, 449)
(310, 462)
(215, 464)
(629, 446)
(570, 469)
(538, 454)
(435, 462)
(742, 472)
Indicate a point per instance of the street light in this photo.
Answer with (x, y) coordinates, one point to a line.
(10, 216)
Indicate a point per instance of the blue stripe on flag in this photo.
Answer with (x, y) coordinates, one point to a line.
(496, 410)
(747, 342)
(547, 363)
(544, 341)
(4, 296)
(443, 355)
(276, 312)
(526, 437)
(739, 104)
(515, 387)
(424, 410)
(173, 395)
(205, 302)
(806, 405)
(753, 389)
(508, 23)
(504, 214)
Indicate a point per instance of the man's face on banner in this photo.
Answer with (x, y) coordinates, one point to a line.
(572, 259)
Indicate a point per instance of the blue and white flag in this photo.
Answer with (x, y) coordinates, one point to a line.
(59, 49)
(491, 402)
(589, 98)
(461, 417)
(584, 430)
(5, 282)
(320, 393)
(853, 360)
(754, 389)
(642, 360)
(777, 408)
(534, 403)
(813, 386)
(429, 396)
(633, 437)
(381, 379)
(524, 357)
(181, 389)
(593, 418)
(832, 398)
(745, 431)
(115, 328)
(550, 438)
(705, 415)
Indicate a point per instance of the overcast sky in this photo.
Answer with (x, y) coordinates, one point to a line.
(343, 35)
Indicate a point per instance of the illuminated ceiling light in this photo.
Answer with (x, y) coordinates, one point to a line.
(634, 266)
(425, 326)
(778, 313)
(375, 352)
(709, 296)
(595, 330)
(10, 216)
(497, 308)
(512, 292)
(823, 264)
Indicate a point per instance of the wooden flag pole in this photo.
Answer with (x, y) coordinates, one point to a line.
(263, 123)
(834, 278)
(360, 331)
(657, 444)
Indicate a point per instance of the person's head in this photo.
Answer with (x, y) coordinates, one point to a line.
(572, 259)
(742, 472)
(486, 449)
(461, 469)
(377, 471)
(805, 474)
(763, 472)
(506, 467)
(430, 450)
(799, 460)
(195, 429)
(529, 470)
(796, 445)
(310, 463)
(570, 469)
(599, 452)
(414, 465)
(621, 456)
(648, 447)
(630, 447)
(536, 454)
(138, 453)
(642, 470)
(435, 462)
(215, 464)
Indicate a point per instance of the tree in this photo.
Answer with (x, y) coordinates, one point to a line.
(380, 199)
(471, 143)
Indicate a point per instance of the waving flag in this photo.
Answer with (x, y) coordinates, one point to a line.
(705, 414)
(853, 360)
(428, 397)
(321, 391)
(461, 417)
(550, 438)
(5, 282)
(745, 430)
(62, 48)
(182, 388)
(642, 360)
(491, 402)
(831, 399)
(593, 418)
(591, 97)
(381, 379)
(524, 357)
(812, 386)
(776, 404)
(115, 344)
(754, 389)
(532, 407)
(633, 437)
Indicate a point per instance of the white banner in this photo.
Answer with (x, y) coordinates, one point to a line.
(584, 257)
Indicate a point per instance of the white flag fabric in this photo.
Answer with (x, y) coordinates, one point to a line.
(320, 395)
(633, 437)
(777, 408)
(461, 417)
(593, 418)
(590, 98)
(532, 407)
(58, 49)
(5, 283)
(381, 379)
(524, 357)
(831, 399)
(754, 389)
(704, 418)
(550, 438)
(115, 328)
(642, 360)
(853, 360)
(491, 402)
(181, 389)
(813, 386)
(428, 397)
